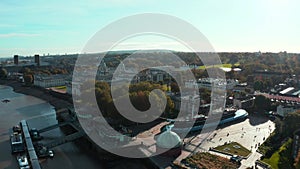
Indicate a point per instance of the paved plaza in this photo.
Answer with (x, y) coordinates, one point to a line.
(249, 133)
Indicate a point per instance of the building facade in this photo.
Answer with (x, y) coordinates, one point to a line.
(208, 83)
(47, 81)
(284, 110)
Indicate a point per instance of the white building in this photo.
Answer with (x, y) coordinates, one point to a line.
(207, 83)
(284, 110)
(47, 81)
(73, 88)
(159, 73)
(103, 70)
(189, 104)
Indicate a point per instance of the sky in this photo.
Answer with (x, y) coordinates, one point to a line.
(65, 26)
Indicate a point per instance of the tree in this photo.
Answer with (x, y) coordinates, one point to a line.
(258, 85)
(169, 107)
(103, 96)
(28, 79)
(291, 123)
(3, 73)
(297, 161)
(139, 98)
(27, 70)
(199, 73)
(262, 103)
(174, 87)
(205, 94)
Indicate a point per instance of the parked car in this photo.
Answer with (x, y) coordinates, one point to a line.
(35, 135)
(236, 159)
(17, 129)
(23, 162)
(51, 153)
(43, 152)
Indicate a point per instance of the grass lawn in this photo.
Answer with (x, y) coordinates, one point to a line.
(280, 158)
(234, 149)
(237, 64)
(61, 88)
(221, 65)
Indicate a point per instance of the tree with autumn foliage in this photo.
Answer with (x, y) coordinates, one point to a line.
(297, 161)
(3, 73)
(138, 94)
(28, 79)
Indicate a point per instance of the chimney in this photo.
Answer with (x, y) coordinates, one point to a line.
(37, 60)
(16, 59)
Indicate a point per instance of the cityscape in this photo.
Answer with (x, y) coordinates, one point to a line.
(149, 103)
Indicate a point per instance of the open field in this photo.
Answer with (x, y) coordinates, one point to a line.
(221, 65)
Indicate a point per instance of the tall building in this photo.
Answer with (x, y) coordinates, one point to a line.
(37, 60)
(16, 59)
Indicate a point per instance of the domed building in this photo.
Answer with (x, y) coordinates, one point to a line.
(169, 144)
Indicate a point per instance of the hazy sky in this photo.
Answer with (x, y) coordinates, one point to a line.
(64, 26)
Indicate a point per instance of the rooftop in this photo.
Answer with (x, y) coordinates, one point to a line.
(285, 91)
(168, 139)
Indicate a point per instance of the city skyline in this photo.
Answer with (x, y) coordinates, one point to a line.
(55, 27)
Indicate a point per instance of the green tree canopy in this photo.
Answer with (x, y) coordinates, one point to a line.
(138, 94)
(3, 73)
(262, 103)
(291, 123)
(258, 85)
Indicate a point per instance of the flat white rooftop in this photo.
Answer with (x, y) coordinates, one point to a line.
(287, 90)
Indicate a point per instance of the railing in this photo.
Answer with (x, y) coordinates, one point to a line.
(30, 149)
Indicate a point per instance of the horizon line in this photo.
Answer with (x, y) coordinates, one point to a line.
(130, 50)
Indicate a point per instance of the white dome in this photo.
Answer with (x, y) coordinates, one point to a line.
(168, 139)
